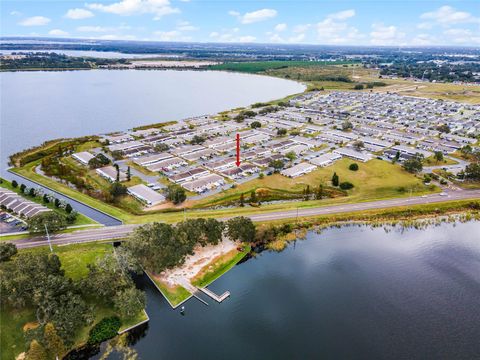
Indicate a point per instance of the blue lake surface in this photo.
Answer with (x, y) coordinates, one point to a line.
(348, 293)
(39, 106)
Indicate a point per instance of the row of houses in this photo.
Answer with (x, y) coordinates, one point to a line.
(19, 205)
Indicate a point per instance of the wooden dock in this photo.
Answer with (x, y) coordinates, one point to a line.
(217, 298)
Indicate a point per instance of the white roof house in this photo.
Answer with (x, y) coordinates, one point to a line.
(353, 154)
(152, 159)
(145, 194)
(411, 151)
(110, 173)
(298, 170)
(204, 183)
(83, 157)
(325, 159)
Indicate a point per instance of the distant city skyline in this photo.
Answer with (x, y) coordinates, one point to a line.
(387, 23)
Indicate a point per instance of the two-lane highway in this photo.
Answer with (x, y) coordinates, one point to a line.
(122, 231)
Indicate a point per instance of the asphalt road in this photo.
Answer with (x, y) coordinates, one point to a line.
(121, 231)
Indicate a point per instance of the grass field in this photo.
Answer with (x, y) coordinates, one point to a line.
(219, 266)
(430, 161)
(175, 295)
(445, 91)
(75, 258)
(376, 179)
(12, 341)
(262, 66)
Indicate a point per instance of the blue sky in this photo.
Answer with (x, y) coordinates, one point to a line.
(341, 22)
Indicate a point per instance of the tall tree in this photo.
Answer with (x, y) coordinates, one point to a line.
(36, 351)
(129, 174)
(335, 179)
(129, 302)
(241, 229)
(52, 220)
(53, 342)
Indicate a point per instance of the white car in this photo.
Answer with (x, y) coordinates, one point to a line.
(443, 194)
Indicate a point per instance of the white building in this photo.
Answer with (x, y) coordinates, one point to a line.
(146, 195)
(353, 154)
(298, 170)
(325, 159)
(83, 157)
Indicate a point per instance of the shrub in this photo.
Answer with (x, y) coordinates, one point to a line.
(68, 208)
(353, 167)
(14, 184)
(71, 217)
(7, 250)
(106, 329)
(346, 185)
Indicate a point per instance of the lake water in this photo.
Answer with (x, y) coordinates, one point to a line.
(91, 53)
(38, 106)
(349, 293)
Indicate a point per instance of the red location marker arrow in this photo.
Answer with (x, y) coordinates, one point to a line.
(238, 150)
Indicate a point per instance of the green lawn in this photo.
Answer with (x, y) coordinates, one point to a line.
(375, 179)
(12, 341)
(175, 295)
(219, 267)
(75, 258)
(262, 66)
(430, 161)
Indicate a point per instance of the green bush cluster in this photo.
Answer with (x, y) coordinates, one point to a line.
(106, 329)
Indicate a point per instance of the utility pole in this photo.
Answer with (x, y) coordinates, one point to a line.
(48, 238)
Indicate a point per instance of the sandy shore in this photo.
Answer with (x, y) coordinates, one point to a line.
(194, 263)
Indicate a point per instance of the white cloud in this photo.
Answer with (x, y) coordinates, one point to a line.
(301, 28)
(172, 35)
(462, 36)
(186, 26)
(57, 32)
(254, 16)
(342, 15)
(275, 38)
(247, 39)
(447, 15)
(423, 39)
(386, 35)
(334, 29)
(78, 14)
(424, 26)
(158, 8)
(116, 37)
(297, 39)
(35, 21)
(280, 27)
(95, 29)
(231, 36)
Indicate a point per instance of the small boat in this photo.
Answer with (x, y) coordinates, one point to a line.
(182, 310)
